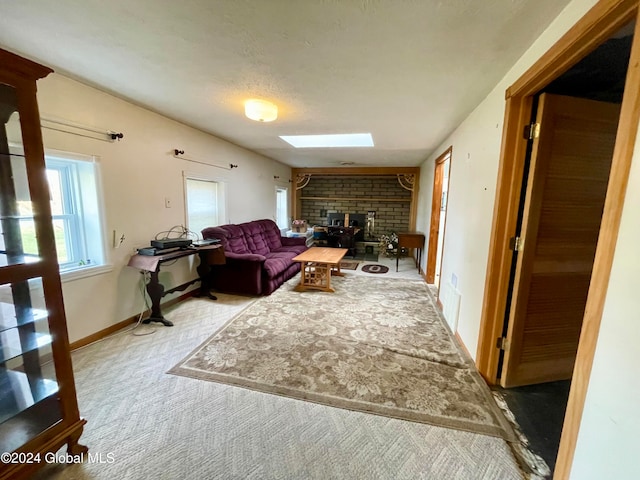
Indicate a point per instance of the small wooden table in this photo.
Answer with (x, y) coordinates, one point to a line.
(209, 255)
(410, 240)
(318, 264)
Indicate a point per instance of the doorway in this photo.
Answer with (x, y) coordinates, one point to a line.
(438, 217)
(568, 166)
(593, 30)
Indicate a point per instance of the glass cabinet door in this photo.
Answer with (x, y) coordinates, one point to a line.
(29, 396)
(17, 229)
(29, 400)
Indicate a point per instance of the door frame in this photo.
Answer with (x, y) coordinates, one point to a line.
(593, 29)
(436, 205)
(542, 190)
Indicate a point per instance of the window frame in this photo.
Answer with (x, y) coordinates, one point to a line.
(221, 199)
(280, 188)
(76, 243)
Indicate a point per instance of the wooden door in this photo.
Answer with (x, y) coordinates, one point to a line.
(436, 207)
(566, 189)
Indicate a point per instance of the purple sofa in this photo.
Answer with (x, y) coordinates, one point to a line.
(258, 259)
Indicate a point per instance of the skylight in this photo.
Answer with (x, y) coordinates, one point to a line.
(338, 140)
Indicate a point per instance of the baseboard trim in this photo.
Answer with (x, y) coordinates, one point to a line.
(105, 332)
(464, 347)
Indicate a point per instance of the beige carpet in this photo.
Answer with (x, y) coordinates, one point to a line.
(170, 427)
(376, 345)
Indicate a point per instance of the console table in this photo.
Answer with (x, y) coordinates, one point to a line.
(209, 255)
(410, 240)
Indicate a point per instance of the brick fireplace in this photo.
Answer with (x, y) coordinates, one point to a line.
(390, 193)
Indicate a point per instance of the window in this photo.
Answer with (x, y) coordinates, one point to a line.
(75, 210)
(204, 203)
(282, 210)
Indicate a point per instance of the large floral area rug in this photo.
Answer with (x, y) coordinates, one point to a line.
(375, 345)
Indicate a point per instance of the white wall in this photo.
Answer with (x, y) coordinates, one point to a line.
(138, 172)
(608, 442)
(424, 200)
(474, 167)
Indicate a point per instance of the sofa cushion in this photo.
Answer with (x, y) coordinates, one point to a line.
(262, 236)
(231, 237)
(272, 234)
(277, 262)
(297, 249)
(255, 238)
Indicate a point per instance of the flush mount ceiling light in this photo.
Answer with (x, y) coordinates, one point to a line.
(260, 110)
(344, 140)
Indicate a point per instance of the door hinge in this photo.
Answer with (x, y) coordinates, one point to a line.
(502, 343)
(531, 131)
(516, 243)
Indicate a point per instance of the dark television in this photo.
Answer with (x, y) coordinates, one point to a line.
(355, 220)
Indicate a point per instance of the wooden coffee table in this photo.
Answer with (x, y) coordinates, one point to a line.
(318, 264)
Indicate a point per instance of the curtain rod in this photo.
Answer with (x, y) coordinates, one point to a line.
(110, 134)
(180, 154)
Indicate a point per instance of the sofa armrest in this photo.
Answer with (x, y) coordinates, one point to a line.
(290, 241)
(246, 257)
(242, 273)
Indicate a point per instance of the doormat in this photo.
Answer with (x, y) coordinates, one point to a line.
(349, 265)
(375, 269)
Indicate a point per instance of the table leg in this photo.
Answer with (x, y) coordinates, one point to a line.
(337, 272)
(204, 272)
(301, 286)
(156, 290)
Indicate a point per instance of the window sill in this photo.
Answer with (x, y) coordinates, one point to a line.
(76, 274)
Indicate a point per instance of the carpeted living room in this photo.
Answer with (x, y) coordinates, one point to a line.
(282, 240)
(166, 411)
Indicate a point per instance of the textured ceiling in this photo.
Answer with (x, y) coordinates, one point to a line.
(408, 71)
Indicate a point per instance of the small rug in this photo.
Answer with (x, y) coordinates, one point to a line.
(375, 269)
(349, 265)
(376, 345)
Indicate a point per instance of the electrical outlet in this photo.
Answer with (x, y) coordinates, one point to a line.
(118, 238)
(167, 202)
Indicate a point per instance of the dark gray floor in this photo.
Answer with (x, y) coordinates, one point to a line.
(539, 411)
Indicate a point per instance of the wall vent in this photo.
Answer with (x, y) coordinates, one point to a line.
(450, 299)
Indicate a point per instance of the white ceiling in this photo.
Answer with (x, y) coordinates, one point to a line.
(408, 71)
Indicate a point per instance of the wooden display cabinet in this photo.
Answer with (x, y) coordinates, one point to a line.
(38, 405)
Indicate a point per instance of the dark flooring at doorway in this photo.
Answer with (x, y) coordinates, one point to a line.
(539, 411)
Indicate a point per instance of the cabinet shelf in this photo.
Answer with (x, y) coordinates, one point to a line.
(23, 259)
(12, 346)
(27, 424)
(19, 392)
(8, 318)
